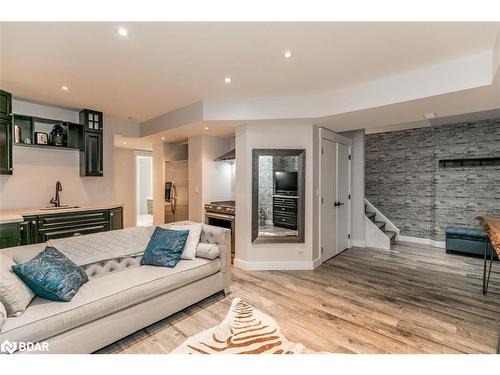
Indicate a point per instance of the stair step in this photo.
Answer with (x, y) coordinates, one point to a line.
(390, 234)
(371, 215)
(380, 224)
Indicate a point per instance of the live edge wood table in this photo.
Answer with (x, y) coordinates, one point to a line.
(491, 225)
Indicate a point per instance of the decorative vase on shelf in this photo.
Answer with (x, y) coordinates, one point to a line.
(57, 135)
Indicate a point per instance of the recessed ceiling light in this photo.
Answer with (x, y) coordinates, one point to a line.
(122, 31)
(205, 127)
(64, 88)
(287, 54)
(227, 79)
(162, 138)
(429, 115)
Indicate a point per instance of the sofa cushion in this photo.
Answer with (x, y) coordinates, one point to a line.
(165, 247)
(14, 294)
(103, 296)
(51, 275)
(3, 314)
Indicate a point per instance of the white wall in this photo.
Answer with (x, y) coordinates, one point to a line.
(271, 256)
(208, 180)
(358, 234)
(195, 175)
(36, 170)
(125, 183)
(158, 184)
(144, 182)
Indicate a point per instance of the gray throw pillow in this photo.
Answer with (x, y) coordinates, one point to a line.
(14, 294)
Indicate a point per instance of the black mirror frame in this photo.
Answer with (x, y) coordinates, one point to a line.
(301, 153)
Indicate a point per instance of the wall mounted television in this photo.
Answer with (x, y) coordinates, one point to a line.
(285, 182)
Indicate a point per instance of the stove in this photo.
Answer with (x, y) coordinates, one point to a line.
(221, 207)
(221, 214)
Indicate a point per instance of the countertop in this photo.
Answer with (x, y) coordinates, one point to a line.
(16, 216)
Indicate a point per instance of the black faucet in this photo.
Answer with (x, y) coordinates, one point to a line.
(56, 201)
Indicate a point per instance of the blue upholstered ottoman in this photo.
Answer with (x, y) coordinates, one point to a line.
(466, 241)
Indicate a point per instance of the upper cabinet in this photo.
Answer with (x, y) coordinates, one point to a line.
(91, 120)
(91, 146)
(5, 104)
(5, 133)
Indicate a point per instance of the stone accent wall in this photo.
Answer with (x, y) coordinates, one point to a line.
(404, 180)
(266, 186)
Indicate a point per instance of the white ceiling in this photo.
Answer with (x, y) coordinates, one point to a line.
(163, 66)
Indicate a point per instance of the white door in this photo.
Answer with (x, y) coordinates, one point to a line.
(343, 191)
(328, 199)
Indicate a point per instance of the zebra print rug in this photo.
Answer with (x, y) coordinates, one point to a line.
(245, 330)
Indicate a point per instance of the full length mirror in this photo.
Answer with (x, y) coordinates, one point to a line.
(278, 181)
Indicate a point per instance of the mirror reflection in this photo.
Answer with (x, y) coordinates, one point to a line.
(278, 194)
(278, 199)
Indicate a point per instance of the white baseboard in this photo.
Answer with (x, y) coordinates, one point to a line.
(317, 262)
(357, 243)
(423, 241)
(276, 266)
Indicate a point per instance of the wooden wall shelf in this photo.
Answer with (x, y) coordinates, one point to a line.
(469, 163)
(50, 147)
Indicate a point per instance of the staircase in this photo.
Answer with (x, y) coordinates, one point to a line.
(380, 232)
(381, 225)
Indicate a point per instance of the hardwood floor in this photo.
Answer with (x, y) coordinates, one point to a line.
(413, 299)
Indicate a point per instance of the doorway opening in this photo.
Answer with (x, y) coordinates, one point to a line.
(144, 189)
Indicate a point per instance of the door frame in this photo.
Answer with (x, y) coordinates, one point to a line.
(338, 138)
(138, 153)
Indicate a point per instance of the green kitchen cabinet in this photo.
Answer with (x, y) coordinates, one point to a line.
(9, 235)
(5, 133)
(116, 218)
(6, 146)
(91, 155)
(91, 149)
(5, 104)
(42, 228)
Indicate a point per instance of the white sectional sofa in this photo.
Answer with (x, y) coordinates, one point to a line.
(120, 298)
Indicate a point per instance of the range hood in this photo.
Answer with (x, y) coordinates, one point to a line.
(231, 155)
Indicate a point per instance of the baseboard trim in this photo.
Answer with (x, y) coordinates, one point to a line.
(317, 262)
(276, 266)
(423, 241)
(357, 243)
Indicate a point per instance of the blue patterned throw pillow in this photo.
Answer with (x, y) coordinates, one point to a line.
(165, 247)
(51, 275)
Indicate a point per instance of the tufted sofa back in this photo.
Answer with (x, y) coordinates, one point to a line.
(209, 234)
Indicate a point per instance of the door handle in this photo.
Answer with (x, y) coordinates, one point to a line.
(338, 204)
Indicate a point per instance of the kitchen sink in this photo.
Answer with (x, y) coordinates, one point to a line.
(64, 207)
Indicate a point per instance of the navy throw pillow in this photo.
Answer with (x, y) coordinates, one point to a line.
(51, 275)
(165, 247)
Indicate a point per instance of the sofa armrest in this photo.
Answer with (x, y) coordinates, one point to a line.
(222, 238)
